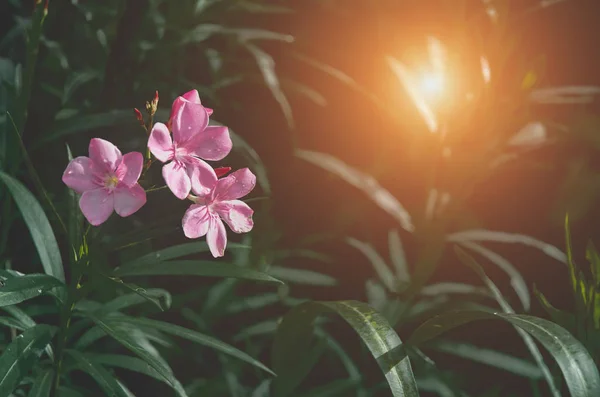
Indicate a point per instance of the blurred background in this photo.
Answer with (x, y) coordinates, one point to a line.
(319, 75)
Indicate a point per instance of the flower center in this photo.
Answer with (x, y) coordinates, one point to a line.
(180, 153)
(110, 182)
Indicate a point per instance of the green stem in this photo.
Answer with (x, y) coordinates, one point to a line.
(81, 263)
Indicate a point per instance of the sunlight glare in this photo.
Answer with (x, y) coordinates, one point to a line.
(432, 85)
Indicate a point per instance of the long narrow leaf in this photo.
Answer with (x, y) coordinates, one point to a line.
(19, 289)
(42, 384)
(38, 225)
(105, 380)
(193, 336)
(124, 335)
(134, 364)
(21, 355)
(576, 364)
(194, 268)
(293, 340)
(382, 197)
(531, 346)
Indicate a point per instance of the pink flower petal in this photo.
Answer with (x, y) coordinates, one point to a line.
(189, 119)
(104, 154)
(216, 237)
(96, 205)
(237, 214)
(192, 96)
(209, 111)
(160, 143)
(129, 199)
(202, 176)
(235, 185)
(79, 175)
(211, 144)
(177, 179)
(130, 169)
(195, 221)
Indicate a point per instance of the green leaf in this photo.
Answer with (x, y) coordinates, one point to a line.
(122, 333)
(134, 364)
(386, 277)
(508, 238)
(516, 279)
(531, 346)
(105, 380)
(397, 256)
(562, 318)
(193, 336)
(294, 336)
(489, 357)
(39, 226)
(84, 123)
(19, 289)
(576, 364)
(177, 251)
(21, 355)
(159, 297)
(266, 64)
(42, 384)
(301, 276)
(380, 196)
(194, 268)
(593, 257)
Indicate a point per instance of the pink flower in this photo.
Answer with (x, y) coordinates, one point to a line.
(206, 216)
(107, 181)
(193, 140)
(190, 96)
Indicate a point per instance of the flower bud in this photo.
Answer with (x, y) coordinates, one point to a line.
(139, 117)
(221, 171)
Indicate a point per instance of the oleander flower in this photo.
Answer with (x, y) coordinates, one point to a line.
(107, 181)
(221, 203)
(193, 141)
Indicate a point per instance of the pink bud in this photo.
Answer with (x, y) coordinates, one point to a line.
(221, 171)
(138, 116)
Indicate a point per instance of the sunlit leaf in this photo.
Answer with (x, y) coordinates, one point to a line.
(381, 268)
(509, 238)
(489, 357)
(382, 197)
(576, 364)
(533, 349)
(516, 278)
(444, 288)
(532, 134)
(105, 380)
(294, 337)
(266, 64)
(21, 355)
(19, 289)
(565, 95)
(397, 256)
(194, 268)
(38, 225)
(409, 84)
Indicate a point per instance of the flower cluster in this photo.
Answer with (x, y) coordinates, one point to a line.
(108, 180)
